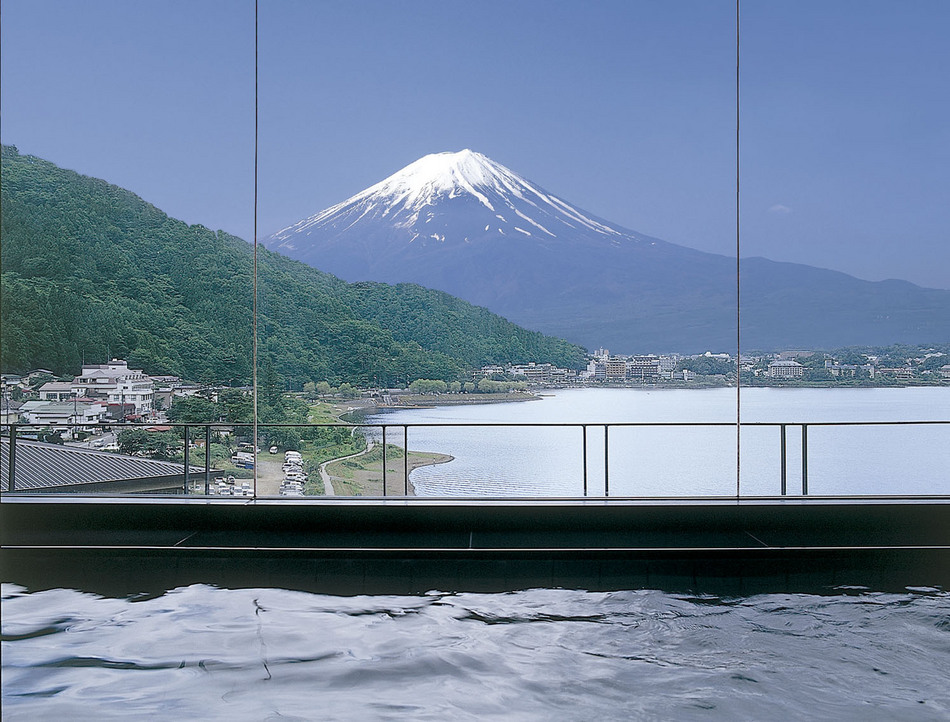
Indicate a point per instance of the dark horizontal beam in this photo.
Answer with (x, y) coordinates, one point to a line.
(779, 544)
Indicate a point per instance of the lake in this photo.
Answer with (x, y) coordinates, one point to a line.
(678, 461)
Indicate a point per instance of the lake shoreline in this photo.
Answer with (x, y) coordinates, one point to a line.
(363, 476)
(363, 479)
(341, 409)
(860, 443)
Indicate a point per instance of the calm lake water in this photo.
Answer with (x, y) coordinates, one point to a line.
(681, 461)
(270, 654)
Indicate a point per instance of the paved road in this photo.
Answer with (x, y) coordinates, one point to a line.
(269, 475)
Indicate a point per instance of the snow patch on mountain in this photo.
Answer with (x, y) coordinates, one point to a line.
(407, 198)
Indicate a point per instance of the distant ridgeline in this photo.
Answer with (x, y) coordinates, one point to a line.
(90, 269)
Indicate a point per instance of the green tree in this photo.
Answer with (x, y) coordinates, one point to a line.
(347, 391)
(428, 386)
(707, 366)
(237, 406)
(132, 441)
(193, 410)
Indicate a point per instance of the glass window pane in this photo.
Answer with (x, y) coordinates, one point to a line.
(571, 169)
(844, 183)
(127, 207)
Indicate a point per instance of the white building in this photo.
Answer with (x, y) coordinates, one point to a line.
(786, 370)
(666, 364)
(532, 372)
(65, 413)
(116, 383)
(641, 368)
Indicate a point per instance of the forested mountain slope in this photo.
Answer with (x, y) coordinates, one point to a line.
(91, 271)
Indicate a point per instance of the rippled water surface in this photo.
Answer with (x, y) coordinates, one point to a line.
(269, 654)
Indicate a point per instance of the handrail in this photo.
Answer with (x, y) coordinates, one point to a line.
(14, 433)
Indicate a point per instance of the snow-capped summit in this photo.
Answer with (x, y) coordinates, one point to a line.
(439, 173)
(415, 198)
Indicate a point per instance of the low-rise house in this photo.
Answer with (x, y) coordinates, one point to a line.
(901, 373)
(54, 468)
(13, 381)
(64, 414)
(56, 391)
(37, 373)
(848, 370)
(10, 411)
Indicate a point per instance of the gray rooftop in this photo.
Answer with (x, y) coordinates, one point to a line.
(41, 466)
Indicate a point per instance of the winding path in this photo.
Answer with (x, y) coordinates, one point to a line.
(325, 475)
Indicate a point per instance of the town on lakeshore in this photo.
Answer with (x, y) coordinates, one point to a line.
(113, 392)
(111, 408)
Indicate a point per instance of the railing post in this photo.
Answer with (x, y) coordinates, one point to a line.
(207, 459)
(187, 458)
(584, 435)
(405, 458)
(11, 459)
(784, 463)
(804, 459)
(606, 460)
(384, 461)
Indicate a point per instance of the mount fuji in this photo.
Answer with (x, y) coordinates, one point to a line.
(464, 224)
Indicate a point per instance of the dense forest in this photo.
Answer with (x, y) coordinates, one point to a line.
(90, 271)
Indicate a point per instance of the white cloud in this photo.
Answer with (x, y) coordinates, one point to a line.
(779, 209)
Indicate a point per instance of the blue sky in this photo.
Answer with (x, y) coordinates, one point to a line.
(626, 109)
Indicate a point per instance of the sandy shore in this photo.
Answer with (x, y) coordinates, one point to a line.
(362, 475)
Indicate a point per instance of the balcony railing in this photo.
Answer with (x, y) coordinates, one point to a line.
(189, 468)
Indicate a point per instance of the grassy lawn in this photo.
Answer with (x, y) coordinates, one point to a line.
(322, 413)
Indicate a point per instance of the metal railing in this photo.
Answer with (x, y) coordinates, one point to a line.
(199, 479)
